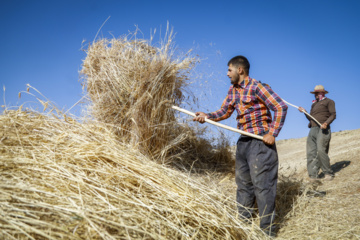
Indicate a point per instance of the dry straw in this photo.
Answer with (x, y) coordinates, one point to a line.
(62, 179)
(132, 84)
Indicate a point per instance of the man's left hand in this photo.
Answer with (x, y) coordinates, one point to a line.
(269, 139)
(324, 126)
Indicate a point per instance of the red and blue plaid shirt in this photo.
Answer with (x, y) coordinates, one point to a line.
(253, 102)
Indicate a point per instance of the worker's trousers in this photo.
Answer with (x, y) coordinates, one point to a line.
(256, 173)
(317, 149)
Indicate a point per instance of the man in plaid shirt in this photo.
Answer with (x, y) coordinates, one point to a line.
(256, 168)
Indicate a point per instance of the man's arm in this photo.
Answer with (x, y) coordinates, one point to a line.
(227, 108)
(278, 106)
(303, 110)
(331, 118)
(332, 111)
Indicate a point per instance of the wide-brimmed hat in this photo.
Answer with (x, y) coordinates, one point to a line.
(319, 88)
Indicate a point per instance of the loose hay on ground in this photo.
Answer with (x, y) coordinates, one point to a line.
(75, 180)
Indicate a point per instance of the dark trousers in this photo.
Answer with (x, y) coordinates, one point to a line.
(256, 174)
(317, 149)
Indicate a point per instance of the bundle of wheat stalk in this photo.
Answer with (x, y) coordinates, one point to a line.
(66, 179)
(133, 84)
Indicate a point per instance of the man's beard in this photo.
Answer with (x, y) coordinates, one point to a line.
(235, 80)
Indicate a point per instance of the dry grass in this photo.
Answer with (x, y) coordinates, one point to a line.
(326, 209)
(132, 85)
(70, 180)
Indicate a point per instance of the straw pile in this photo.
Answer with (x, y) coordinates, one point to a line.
(132, 85)
(62, 179)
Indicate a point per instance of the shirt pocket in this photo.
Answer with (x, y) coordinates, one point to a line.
(247, 103)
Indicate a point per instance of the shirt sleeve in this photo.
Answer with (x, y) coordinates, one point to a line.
(227, 108)
(311, 121)
(332, 111)
(274, 103)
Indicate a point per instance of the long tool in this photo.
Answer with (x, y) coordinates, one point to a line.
(303, 112)
(219, 124)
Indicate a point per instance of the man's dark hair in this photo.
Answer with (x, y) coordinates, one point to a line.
(240, 61)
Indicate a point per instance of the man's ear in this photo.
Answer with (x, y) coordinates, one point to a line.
(241, 70)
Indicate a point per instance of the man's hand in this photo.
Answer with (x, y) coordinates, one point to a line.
(301, 109)
(269, 139)
(200, 117)
(324, 126)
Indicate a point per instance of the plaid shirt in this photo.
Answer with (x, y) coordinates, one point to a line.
(253, 101)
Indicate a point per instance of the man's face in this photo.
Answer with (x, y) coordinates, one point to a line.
(318, 94)
(233, 74)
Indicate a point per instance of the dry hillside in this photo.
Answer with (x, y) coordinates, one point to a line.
(330, 209)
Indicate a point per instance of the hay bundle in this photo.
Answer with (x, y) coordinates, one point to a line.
(62, 179)
(132, 84)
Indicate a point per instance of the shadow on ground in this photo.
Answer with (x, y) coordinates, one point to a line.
(337, 167)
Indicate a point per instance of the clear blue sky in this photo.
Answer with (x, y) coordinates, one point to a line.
(292, 46)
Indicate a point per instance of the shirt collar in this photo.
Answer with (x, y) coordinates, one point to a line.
(244, 82)
(320, 99)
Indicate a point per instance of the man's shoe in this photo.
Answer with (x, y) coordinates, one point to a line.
(328, 177)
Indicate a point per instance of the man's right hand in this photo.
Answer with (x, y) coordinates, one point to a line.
(200, 117)
(301, 109)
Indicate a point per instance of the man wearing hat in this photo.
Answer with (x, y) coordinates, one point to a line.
(318, 140)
